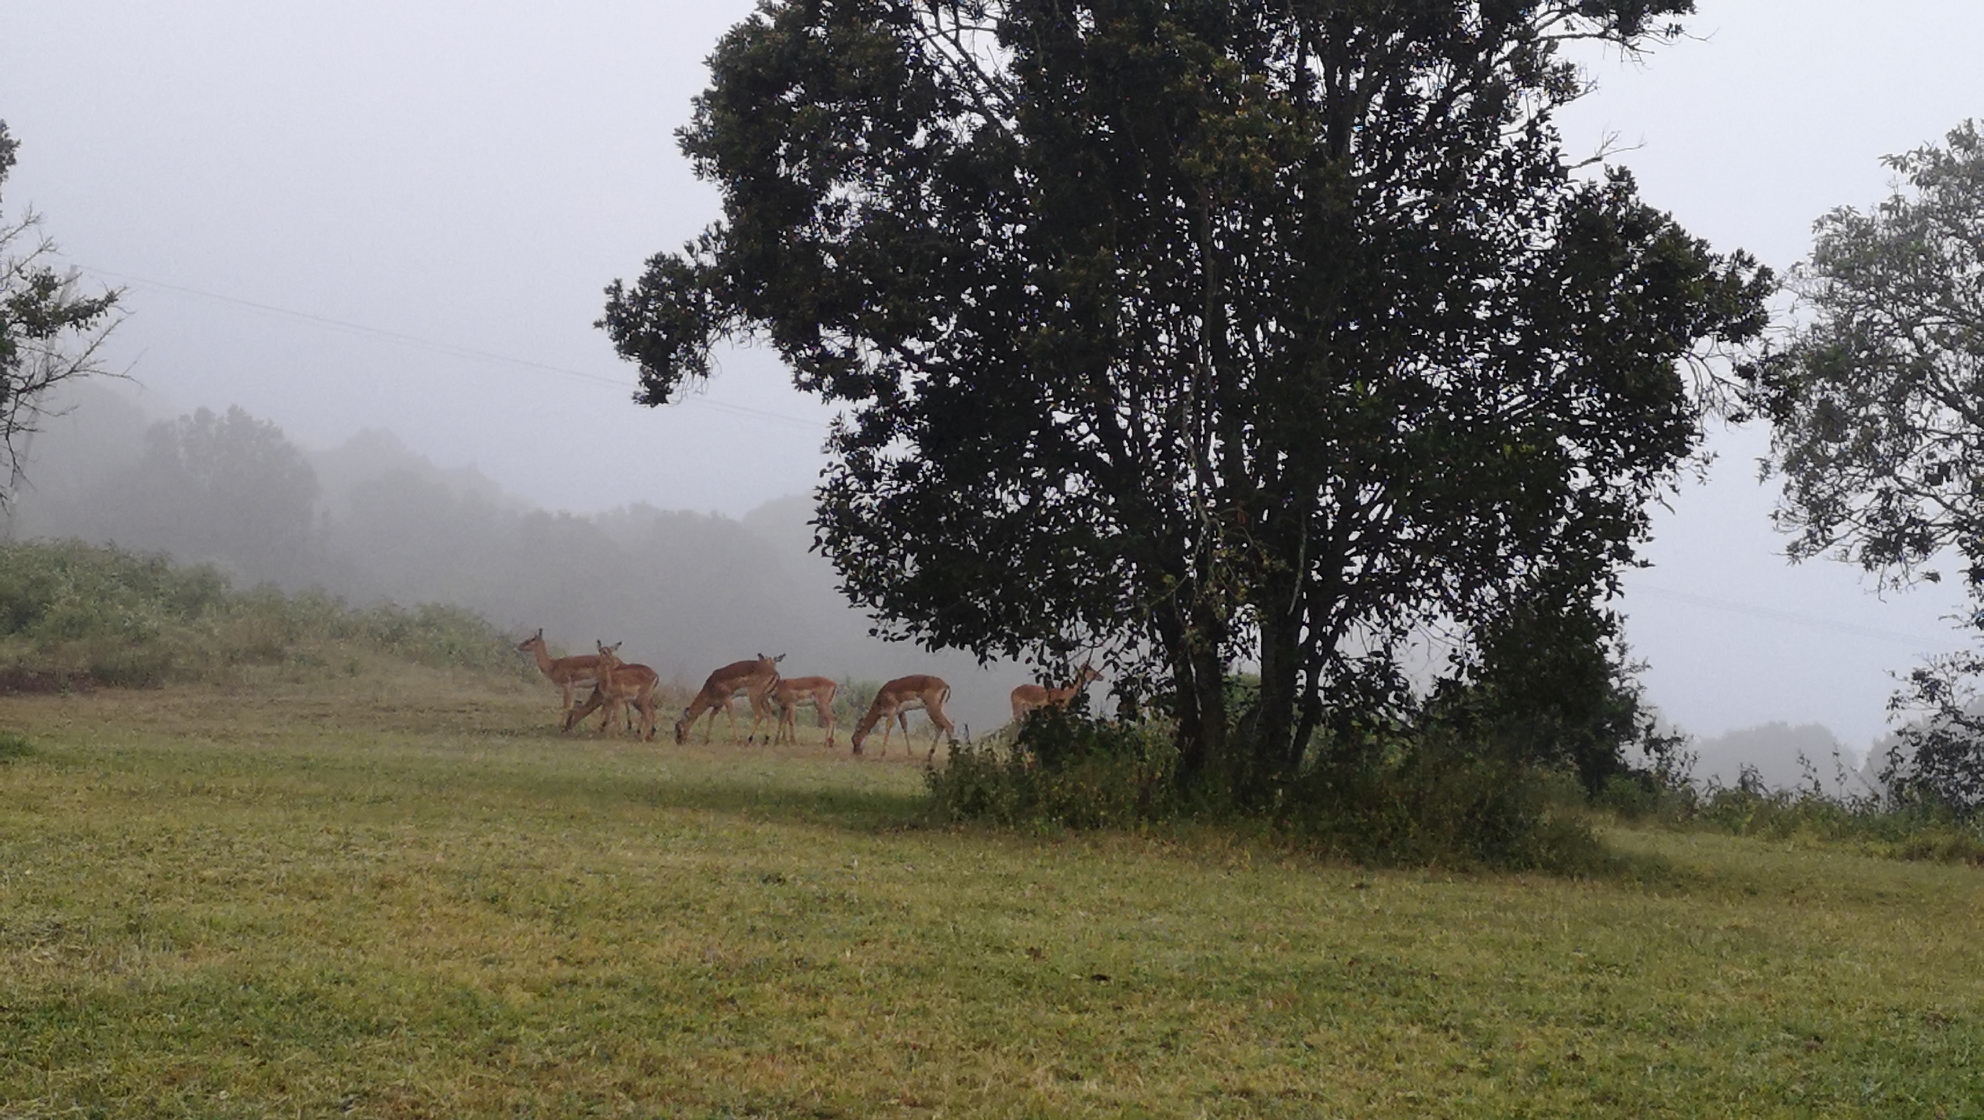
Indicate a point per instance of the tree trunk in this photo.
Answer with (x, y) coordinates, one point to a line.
(1281, 663)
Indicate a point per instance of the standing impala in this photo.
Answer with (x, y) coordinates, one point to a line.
(568, 673)
(755, 678)
(620, 684)
(899, 696)
(1028, 697)
(794, 691)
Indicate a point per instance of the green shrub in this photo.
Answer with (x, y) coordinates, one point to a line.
(1062, 768)
(1412, 797)
(1428, 796)
(14, 745)
(74, 612)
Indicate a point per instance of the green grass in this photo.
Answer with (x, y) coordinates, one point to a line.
(403, 895)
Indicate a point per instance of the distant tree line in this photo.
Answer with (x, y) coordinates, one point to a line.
(373, 522)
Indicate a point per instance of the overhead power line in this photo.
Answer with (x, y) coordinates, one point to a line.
(1755, 611)
(435, 346)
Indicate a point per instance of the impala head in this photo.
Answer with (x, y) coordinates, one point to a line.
(1087, 676)
(534, 641)
(763, 660)
(608, 655)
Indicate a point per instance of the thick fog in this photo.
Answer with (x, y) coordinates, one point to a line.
(374, 217)
(371, 520)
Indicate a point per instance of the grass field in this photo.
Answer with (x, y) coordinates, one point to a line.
(404, 895)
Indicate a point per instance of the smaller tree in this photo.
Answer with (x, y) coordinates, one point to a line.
(1877, 409)
(1549, 681)
(49, 331)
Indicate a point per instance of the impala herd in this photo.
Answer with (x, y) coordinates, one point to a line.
(617, 685)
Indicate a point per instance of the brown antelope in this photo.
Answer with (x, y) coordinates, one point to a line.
(899, 696)
(620, 684)
(569, 673)
(1028, 697)
(791, 692)
(754, 678)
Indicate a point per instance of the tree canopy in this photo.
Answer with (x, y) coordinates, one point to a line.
(49, 332)
(1197, 331)
(1876, 401)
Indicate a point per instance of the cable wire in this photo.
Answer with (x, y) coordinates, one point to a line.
(434, 346)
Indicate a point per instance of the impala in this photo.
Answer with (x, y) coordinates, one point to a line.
(1028, 697)
(791, 692)
(619, 684)
(568, 673)
(899, 696)
(754, 678)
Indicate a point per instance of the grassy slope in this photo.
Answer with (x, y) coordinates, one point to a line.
(356, 899)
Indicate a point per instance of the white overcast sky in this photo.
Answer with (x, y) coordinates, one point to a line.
(401, 215)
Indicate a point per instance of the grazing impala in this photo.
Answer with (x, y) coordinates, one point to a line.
(755, 678)
(1028, 697)
(620, 684)
(794, 691)
(901, 695)
(568, 673)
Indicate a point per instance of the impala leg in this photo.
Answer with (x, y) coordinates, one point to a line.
(645, 706)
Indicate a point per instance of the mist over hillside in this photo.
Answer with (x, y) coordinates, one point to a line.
(1783, 756)
(371, 521)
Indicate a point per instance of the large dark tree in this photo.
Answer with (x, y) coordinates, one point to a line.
(1197, 330)
(49, 331)
(1876, 402)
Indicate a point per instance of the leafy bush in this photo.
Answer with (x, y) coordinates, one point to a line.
(1427, 795)
(1413, 796)
(1062, 768)
(76, 613)
(14, 745)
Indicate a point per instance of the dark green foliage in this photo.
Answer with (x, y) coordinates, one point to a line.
(1877, 431)
(14, 745)
(1428, 796)
(76, 613)
(1411, 796)
(1197, 332)
(1550, 686)
(1938, 759)
(1065, 769)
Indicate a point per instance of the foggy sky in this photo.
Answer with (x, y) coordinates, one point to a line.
(363, 215)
